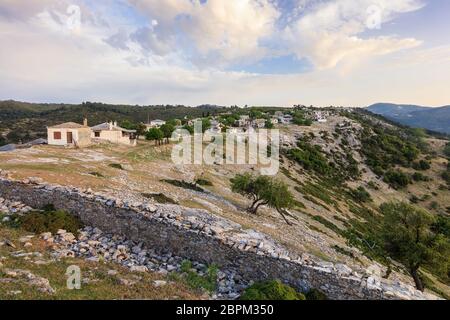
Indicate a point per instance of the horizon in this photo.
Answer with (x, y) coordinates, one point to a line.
(223, 106)
(257, 53)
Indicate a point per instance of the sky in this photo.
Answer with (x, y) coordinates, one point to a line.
(228, 52)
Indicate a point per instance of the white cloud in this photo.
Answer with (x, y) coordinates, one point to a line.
(215, 32)
(330, 32)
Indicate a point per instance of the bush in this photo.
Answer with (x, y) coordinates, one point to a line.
(50, 221)
(271, 290)
(310, 157)
(361, 194)
(203, 182)
(207, 282)
(417, 176)
(421, 165)
(315, 294)
(159, 197)
(447, 150)
(116, 166)
(397, 179)
(184, 185)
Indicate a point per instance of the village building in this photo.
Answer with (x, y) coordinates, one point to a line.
(320, 116)
(155, 124)
(69, 134)
(274, 120)
(244, 121)
(278, 114)
(285, 119)
(259, 123)
(110, 131)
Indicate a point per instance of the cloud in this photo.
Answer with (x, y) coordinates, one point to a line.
(180, 51)
(209, 32)
(330, 32)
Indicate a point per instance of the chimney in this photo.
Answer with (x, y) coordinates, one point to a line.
(110, 125)
(85, 122)
(115, 123)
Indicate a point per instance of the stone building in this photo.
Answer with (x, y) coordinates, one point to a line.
(110, 131)
(69, 134)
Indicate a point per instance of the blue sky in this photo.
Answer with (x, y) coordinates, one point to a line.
(273, 52)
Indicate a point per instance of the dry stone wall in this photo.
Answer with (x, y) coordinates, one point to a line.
(197, 235)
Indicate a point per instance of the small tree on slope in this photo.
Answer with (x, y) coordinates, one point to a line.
(263, 191)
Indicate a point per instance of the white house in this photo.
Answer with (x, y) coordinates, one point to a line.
(286, 119)
(155, 124)
(274, 120)
(243, 121)
(110, 131)
(69, 134)
(259, 123)
(319, 116)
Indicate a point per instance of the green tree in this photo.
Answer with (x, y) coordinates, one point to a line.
(155, 134)
(141, 129)
(409, 236)
(167, 130)
(264, 191)
(206, 124)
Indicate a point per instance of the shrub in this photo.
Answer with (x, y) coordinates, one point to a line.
(50, 221)
(417, 176)
(271, 290)
(96, 174)
(194, 280)
(184, 185)
(159, 197)
(116, 166)
(361, 194)
(447, 150)
(421, 165)
(315, 294)
(203, 182)
(397, 179)
(310, 157)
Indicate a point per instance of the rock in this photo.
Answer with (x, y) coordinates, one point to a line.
(9, 243)
(46, 235)
(112, 272)
(138, 269)
(159, 283)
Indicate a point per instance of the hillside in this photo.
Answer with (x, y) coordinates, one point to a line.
(28, 121)
(435, 119)
(339, 172)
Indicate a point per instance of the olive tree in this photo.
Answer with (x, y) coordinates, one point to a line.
(410, 236)
(263, 191)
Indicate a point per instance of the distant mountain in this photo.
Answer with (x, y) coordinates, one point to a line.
(435, 119)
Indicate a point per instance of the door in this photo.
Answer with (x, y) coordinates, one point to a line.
(69, 137)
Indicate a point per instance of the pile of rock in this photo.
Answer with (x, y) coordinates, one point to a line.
(42, 284)
(13, 207)
(94, 245)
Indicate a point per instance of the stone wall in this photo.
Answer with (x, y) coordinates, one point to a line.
(197, 235)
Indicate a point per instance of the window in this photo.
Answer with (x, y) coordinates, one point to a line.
(57, 135)
(97, 134)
